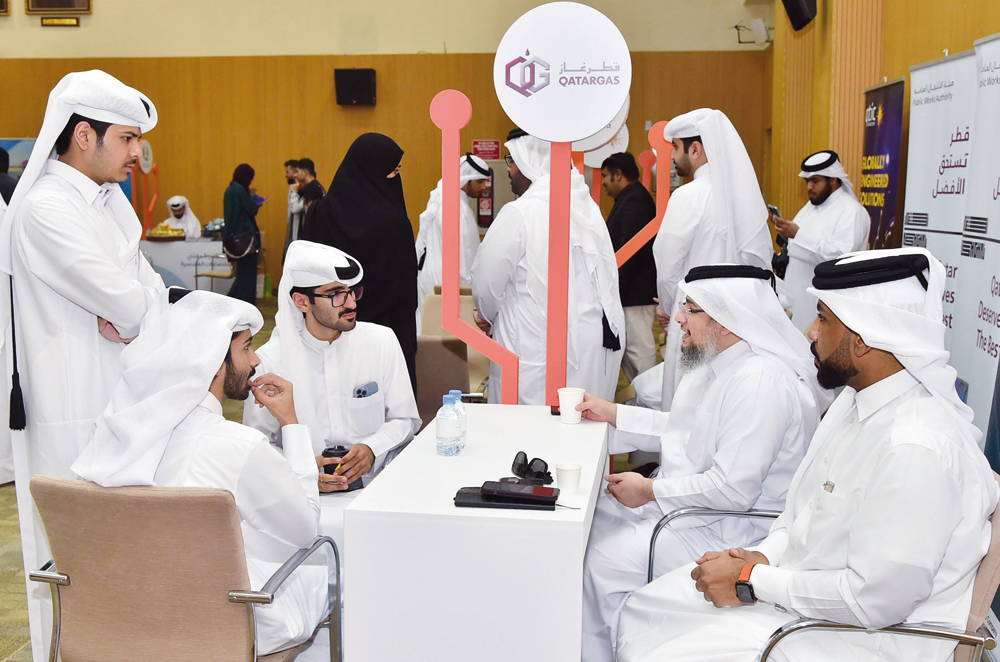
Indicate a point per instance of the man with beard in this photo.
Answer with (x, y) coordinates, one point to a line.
(718, 217)
(353, 390)
(832, 223)
(887, 518)
(738, 426)
(165, 427)
(296, 205)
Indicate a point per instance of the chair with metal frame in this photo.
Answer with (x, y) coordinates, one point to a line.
(969, 644)
(150, 572)
(212, 272)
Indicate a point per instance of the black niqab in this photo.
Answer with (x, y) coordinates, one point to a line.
(364, 215)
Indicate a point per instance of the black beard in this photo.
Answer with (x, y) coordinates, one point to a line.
(236, 386)
(291, 180)
(828, 374)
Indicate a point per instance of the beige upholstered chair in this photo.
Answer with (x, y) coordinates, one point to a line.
(144, 573)
(442, 365)
(463, 290)
(970, 643)
(479, 365)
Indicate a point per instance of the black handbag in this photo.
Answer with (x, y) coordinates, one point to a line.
(238, 245)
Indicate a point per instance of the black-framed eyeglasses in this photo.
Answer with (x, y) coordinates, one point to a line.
(509, 160)
(535, 470)
(688, 310)
(339, 298)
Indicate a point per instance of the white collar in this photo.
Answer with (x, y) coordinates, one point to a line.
(728, 356)
(869, 400)
(87, 187)
(701, 172)
(211, 403)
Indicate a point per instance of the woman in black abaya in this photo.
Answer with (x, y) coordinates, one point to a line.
(364, 214)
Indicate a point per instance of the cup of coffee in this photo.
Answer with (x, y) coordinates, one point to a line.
(569, 398)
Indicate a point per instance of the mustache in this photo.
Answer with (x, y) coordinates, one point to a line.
(812, 348)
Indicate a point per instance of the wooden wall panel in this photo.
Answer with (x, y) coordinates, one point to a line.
(218, 112)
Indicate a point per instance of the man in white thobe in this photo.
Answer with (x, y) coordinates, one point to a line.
(473, 173)
(832, 223)
(737, 429)
(718, 217)
(70, 239)
(182, 218)
(164, 427)
(510, 281)
(886, 519)
(352, 387)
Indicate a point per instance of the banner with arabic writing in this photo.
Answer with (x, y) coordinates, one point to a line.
(880, 159)
(976, 339)
(942, 107)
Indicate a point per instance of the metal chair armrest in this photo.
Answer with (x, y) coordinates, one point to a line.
(692, 512)
(48, 575)
(980, 639)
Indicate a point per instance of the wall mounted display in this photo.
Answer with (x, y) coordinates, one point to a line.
(57, 6)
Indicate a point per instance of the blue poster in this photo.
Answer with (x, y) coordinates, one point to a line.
(880, 160)
(19, 150)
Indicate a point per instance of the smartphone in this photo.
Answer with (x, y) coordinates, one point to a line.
(774, 211)
(516, 491)
(365, 390)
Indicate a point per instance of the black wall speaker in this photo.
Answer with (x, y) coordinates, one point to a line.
(355, 87)
(800, 13)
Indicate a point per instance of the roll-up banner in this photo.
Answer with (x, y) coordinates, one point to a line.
(976, 339)
(942, 107)
(880, 159)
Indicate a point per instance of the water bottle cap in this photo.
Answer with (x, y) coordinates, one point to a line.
(455, 392)
(448, 399)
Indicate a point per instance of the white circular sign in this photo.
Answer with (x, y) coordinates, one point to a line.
(606, 134)
(619, 143)
(146, 158)
(562, 71)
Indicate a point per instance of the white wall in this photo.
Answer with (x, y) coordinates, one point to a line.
(176, 28)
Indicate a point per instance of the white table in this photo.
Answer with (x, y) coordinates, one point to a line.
(174, 261)
(429, 581)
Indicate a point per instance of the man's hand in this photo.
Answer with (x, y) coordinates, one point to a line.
(330, 482)
(108, 330)
(275, 393)
(717, 572)
(485, 326)
(661, 317)
(598, 409)
(787, 228)
(631, 489)
(356, 462)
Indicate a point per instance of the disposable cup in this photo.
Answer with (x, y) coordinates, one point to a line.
(568, 478)
(569, 398)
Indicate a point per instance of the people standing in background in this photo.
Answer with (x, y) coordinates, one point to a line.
(7, 183)
(182, 218)
(296, 205)
(634, 209)
(240, 212)
(832, 223)
(473, 173)
(310, 190)
(364, 215)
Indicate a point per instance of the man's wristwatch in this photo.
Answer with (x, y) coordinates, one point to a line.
(744, 589)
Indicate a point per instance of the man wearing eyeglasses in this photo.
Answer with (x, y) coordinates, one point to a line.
(745, 407)
(352, 388)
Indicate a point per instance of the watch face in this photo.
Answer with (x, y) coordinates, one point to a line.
(744, 591)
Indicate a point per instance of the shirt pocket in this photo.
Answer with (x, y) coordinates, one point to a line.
(829, 517)
(364, 416)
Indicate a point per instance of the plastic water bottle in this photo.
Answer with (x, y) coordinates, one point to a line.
(450, 437)
(460, 406)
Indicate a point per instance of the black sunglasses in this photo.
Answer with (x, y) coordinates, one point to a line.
(535, 470)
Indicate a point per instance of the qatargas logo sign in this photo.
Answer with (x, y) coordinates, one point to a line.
(873, 115)
(527, 74)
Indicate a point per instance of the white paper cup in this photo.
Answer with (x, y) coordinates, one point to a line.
(569, 398)
(568, 478)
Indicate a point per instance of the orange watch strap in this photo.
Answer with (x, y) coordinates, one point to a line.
(745, 572)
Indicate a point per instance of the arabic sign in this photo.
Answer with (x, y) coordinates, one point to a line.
(942, 106)
(976, 334)
(562, 72)
(488, 150)
(880, 160)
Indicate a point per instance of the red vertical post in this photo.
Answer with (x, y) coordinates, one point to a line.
(663, 150)
(647, 160)
(558, 294)
(451, 111)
